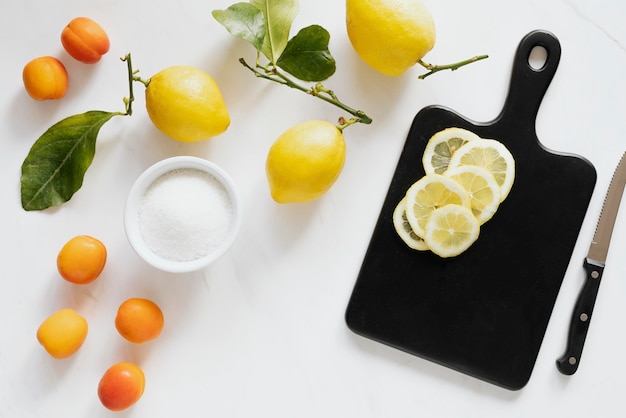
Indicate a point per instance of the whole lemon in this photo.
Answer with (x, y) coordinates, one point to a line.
(186, 104)
(390, 35)
(305, 161)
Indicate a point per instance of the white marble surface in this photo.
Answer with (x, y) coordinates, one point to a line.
(261, 333)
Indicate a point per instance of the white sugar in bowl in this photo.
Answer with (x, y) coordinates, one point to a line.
(182, 214)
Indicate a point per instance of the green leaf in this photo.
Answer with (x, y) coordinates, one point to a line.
(279, 15)
(57, 162)
(244, 21)
(307, 56)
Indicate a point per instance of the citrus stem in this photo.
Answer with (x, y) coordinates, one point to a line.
(344, 123)
(319, 91)
(128, 101)
(432, 69)
(132, 75)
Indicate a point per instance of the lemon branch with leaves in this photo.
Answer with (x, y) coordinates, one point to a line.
(266, 25)
(318, 90)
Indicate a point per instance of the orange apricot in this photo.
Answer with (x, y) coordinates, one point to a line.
(85, 40)
(82, 259)
(62, 333)
(139, 320)
(121, 386)
(45, 78)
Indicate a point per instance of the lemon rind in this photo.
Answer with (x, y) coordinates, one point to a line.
(399, 216)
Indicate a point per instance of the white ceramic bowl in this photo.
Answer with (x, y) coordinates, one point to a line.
(137, 192)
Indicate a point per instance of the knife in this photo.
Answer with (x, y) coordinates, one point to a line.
(594, 267)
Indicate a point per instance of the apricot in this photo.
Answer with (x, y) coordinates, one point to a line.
(121, 386)
(45, 78)
(62, 333)
(139, 320)
(82, 259)
(85, 40)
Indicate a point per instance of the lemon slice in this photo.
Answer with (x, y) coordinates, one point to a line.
(404, 230)
(482, 188)
(429, 193)
(493, 156)
(450, 230)
(442, 145)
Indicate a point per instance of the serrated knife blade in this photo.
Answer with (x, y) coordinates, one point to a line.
(594, 266)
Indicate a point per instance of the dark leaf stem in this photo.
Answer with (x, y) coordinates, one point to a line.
(432, 69)
(272, 73)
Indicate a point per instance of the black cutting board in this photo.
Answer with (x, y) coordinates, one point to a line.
(485, 312)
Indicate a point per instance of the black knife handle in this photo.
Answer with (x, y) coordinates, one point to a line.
(579, 325)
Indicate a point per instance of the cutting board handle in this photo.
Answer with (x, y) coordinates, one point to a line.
(528, 84)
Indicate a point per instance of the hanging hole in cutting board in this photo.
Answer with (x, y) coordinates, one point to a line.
(537, 58)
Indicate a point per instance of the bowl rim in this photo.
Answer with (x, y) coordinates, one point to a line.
(141, 185)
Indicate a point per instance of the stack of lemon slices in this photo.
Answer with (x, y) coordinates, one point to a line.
(467, 177)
